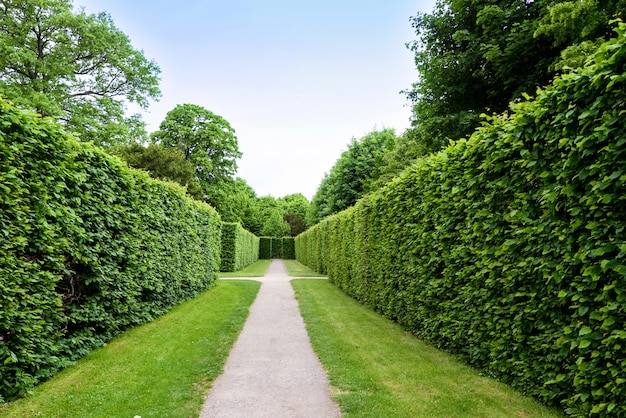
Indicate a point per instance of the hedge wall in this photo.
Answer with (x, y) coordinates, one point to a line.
(508, 248)
(265, 248)
(289, 250)
(240, 248)
(88, 248)
(274, 247)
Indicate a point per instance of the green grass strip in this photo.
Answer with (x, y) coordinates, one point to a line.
(296, 269)
(379, 370)
(161, 369)
(256, 269)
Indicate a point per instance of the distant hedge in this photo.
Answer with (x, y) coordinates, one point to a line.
(240, 248)
(88, 248)
(274, 247)
(509, 248)
(289, 249)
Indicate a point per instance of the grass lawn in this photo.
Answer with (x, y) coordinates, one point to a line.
(296, 269)
(256, 269)
(378, 370)
(160, 369)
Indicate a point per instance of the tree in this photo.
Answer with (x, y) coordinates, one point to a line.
(295, 208)
(354, 174)
(78, 68)
(476, 57)
(236, 201)
(161, 163)
(205, 139)
(275, 225)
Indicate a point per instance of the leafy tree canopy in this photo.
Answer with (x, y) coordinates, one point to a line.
(161, 163)
(295, 208)
(475, 57)
(354, 174)
(206, 139)
(78, 68)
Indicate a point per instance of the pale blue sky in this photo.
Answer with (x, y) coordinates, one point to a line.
(297, 80)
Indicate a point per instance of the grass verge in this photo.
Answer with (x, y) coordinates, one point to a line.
(296, 269)
(256, 269)
(379, 370)
(160, 369)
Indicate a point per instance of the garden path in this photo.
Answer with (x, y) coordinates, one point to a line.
(272, 370)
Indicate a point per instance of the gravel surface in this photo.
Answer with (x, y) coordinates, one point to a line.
(272, 370)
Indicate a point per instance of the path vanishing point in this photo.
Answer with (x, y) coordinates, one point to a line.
(272, 370)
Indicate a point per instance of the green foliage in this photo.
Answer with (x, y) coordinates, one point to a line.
(240, 248)
(161, 163)
(277, 247)
(236, 201)
(206, 139)
(475, 57)
(88, 248)
(508, 248)
(275, 224)
(265, 248)
(354, 174)
(76, 67)
(289, 248)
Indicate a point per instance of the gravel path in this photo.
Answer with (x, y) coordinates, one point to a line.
(272, 370)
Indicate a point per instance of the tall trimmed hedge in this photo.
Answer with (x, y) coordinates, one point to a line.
(289, 249)
(509, 248)
(240, 248)
(274, 247)
(88, 248)
(265, 248)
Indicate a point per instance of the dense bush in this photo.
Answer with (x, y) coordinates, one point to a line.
(88, 248)
(508, 248)
(240, 248)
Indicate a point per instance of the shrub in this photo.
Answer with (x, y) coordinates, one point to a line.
(88, 248)
(508, 248)
(240, 248)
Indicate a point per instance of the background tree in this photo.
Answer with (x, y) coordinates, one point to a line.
(78, 68)
(205, 139)
(295, 208)
(236, 201)
(354, 174)
(475, 57)
(161, 163)
(275, 225)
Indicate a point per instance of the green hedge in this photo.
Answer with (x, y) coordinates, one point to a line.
(265, 248)
(273, 247)
(88, 248)
(240, 248)
(289, 250)
(277, 247)
(509, 248)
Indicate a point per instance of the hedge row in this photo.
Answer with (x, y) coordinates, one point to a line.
(509, 248)
(240, 248)
(88, 248)
(273, 247)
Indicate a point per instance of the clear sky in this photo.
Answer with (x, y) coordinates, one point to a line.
(297, 80)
